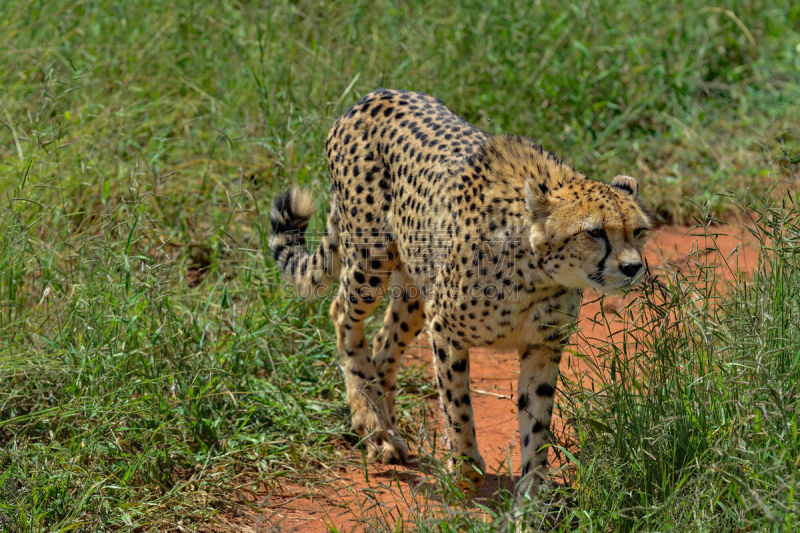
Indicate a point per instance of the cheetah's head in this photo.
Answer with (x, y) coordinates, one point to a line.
(590, 234)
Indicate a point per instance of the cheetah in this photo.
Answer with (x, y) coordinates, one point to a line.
(479, 240)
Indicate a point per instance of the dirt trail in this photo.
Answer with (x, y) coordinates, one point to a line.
(345, 494)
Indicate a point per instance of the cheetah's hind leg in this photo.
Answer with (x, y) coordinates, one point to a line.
(370, 416)
(401, 324)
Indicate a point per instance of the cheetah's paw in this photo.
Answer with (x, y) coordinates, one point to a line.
(387, 447)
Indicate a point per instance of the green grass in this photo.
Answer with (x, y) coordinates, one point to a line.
(149, 359)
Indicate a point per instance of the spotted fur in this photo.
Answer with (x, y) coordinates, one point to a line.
(481, 240)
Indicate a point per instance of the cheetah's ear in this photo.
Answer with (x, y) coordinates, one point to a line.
(538, 199)
(626, 184)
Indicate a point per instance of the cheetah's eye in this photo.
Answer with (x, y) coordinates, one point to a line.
(639, 232)
(598, 233)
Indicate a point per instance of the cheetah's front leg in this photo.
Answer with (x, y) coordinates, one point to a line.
(537, 385)
(451, 361)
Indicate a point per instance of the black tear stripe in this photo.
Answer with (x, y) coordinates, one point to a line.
(602, 264)
(598, 276)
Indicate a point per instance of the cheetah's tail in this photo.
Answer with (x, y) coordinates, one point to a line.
(310, 274)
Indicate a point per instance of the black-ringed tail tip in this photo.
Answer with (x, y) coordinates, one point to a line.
(310, 274)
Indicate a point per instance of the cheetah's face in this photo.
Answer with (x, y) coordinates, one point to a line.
(595, 241)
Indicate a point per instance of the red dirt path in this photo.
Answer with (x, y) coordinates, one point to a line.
(343, 495)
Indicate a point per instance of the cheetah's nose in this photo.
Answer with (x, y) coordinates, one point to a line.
(630, 269)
